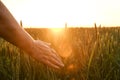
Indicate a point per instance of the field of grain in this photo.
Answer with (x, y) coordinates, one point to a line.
(88, 54)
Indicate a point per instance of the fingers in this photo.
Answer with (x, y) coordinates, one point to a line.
(48, 55)
(53, 59)
(56, 57)
(47, 43)
(53, 51)
(51, 64)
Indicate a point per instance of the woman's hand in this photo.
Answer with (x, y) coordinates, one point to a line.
(13, 33)
(42, 52)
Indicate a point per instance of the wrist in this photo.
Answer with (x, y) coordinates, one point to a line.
(29, 48)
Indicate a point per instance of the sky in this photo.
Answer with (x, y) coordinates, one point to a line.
(55, 13)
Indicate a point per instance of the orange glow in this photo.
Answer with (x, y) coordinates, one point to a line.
(65, 50)
(57, 30)
(71, 68)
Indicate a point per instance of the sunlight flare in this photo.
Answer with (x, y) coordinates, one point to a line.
(57, 30)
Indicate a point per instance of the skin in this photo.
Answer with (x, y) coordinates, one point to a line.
(11, 31)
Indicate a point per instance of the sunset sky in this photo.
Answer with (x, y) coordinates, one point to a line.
(54, 13)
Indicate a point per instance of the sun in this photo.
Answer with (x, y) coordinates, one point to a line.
(57, 31)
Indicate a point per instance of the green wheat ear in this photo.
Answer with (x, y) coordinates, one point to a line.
(91, 58)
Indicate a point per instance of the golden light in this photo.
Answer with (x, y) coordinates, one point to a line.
(57, 30)
(65, 50)
(62, 41)
(71, 68)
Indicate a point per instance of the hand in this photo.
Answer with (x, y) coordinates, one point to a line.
(42, 52)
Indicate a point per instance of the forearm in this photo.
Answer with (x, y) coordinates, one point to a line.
(12, 32)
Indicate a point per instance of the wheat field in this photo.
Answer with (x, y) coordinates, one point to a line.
(88, 54)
